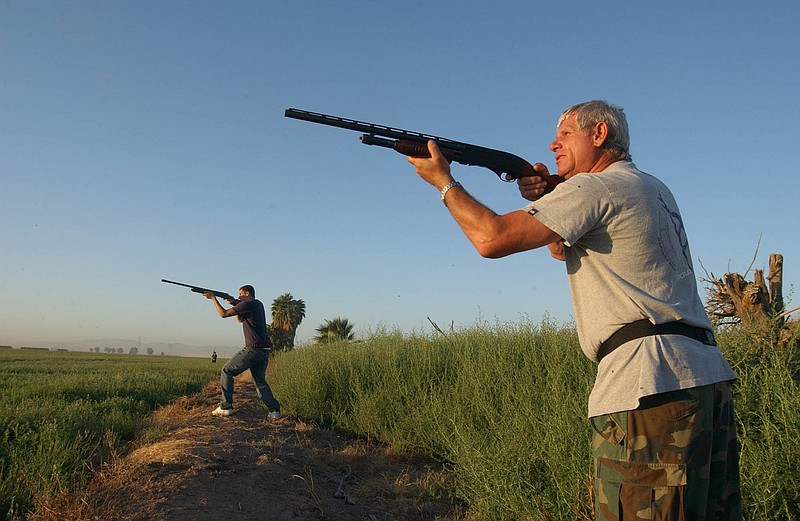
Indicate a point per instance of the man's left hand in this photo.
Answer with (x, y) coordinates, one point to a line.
(435, 169)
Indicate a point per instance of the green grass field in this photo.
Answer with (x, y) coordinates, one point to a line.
(64, 414)
(504, 405)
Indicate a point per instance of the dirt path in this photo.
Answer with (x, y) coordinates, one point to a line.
(245, 467)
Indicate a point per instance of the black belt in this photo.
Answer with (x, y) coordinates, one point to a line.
(644, 327)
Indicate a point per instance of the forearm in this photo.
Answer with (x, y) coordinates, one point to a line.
(493, 235)
(218, 307)
(477, 221)
(224, 313)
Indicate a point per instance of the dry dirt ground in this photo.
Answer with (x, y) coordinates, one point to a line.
(190, 465)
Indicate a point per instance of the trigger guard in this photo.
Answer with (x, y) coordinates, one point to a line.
(506, 177)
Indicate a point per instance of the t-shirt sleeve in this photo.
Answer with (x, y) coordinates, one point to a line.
(240, 308)
(573, 208)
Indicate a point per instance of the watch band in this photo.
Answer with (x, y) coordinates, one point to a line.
(447, 188)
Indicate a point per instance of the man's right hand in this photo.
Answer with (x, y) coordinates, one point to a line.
(532, 187)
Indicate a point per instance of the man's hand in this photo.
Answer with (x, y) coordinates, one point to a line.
(557, 250)
(532, 187)
(224, 313)
(435, 169)
(232, 300)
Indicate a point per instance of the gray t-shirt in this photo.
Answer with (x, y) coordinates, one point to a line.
(628, 258)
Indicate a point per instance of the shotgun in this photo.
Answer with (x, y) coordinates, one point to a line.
(507, 166)
(200, 290)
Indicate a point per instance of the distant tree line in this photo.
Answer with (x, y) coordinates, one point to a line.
(120, 350)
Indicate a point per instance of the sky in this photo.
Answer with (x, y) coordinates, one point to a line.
(142, 140)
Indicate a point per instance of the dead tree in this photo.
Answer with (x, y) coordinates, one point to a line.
(734, 300)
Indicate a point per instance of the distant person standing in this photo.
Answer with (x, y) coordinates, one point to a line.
(254, 356)
(214, 357)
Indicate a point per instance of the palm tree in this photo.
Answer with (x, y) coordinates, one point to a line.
(287, 313)
(334, 330)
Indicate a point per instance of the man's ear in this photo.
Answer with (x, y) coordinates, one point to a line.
(599, 134)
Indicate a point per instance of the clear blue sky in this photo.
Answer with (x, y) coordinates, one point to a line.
(146, 140)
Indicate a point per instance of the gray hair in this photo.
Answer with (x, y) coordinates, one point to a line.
(589, 113)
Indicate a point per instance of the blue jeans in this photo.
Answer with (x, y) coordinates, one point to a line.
(256, 360)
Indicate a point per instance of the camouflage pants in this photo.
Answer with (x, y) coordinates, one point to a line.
(673, 458)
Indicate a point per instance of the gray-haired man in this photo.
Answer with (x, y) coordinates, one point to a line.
(664, 434)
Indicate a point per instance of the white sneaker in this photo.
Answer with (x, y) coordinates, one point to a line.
(219, 411)
(274, 415)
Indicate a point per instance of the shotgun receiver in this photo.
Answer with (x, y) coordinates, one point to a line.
(508, 167)
(200, 290)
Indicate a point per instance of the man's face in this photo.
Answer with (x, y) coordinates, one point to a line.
(575, 150)
(244, 295)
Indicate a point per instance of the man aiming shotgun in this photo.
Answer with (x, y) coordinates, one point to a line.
(254, 356)
(661, 410)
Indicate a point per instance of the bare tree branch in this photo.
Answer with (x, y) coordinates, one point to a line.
(758, 245)
(436, 327)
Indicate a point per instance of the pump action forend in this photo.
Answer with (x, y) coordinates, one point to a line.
(507, 166)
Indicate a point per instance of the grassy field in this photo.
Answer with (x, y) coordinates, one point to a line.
(64, 414)
(504, 405)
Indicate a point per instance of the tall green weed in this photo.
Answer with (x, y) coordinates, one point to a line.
(767, 401)
(505, 406)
